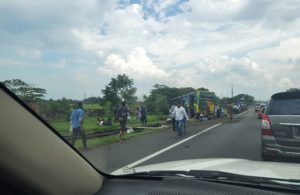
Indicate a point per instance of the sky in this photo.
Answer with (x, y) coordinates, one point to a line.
(74, 47)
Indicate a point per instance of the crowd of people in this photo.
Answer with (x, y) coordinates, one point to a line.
(178, 115)
(122, 115)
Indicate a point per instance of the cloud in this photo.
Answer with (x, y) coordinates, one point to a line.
(285, 83)
(137, 65)
(62, 64)
(254, 45)
(34, 54)
(287, 51)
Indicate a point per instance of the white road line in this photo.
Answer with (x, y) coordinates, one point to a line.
(163, 150)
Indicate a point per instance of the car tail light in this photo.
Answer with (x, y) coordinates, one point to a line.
(266, 126)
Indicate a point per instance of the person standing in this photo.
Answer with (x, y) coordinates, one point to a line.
(173, 116)
(122, 115)
(218, 111)
(115, 115)
(215, 110)
(179, 113)
(230, 109)
(138, 114)
(143, 116)
(207, 110)
(184, 119)
(77, 124)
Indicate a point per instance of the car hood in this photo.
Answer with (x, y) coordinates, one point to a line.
(238, 166)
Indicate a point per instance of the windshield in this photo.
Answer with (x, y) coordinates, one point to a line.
(285, 107)
(133, 83)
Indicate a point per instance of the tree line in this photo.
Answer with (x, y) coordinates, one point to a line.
(120, 88)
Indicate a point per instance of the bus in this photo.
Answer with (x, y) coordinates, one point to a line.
(198, 102)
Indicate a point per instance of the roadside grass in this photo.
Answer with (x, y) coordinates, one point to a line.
(94, 142)
(91, 106)
(90, 124)
(114, 138)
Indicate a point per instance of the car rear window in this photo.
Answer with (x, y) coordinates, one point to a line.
(284, 107)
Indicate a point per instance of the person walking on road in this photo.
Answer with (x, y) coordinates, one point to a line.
(184, 120)
(218, 111)
(179, 113)
(122, 116)
(77, 124)
(173, 116)
(230, 109)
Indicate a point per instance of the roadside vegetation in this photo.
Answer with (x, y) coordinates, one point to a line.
(57, 111)
(90, 123)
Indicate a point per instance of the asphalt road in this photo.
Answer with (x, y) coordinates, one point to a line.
(237, 139)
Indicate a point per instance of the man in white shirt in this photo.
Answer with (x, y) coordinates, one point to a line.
(179, 114)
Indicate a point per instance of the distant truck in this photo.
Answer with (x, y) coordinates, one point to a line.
(198, 102)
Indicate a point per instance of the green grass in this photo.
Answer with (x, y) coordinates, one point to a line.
(112, 138)
(91, 106)
(90, 124)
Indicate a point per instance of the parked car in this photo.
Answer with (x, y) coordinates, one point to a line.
(280, 131)
(257, 107)
(236, 109)
(261, 112)
(244, 106)
(240, 106)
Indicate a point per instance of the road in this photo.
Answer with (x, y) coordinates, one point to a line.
(211, 139)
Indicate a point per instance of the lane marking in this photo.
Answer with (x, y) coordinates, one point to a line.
(163, 150)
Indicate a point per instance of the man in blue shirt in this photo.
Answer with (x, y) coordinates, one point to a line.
(76, 123)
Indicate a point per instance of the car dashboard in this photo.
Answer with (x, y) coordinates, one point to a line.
(178, 185)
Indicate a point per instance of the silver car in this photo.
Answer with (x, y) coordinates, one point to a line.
(281, 127)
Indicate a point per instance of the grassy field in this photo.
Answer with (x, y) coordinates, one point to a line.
(91, 106)
(90, 124)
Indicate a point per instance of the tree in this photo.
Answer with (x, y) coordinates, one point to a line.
(92, 100)
(27, 92)
(161, 104)
(119, 89)
(169, 92)
(248, 99)
(293, 90)
(202, 89)
(55, 109)
(161, 96)
(107, 108)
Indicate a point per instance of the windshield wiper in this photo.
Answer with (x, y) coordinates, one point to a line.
(245, 179)
(225, 177)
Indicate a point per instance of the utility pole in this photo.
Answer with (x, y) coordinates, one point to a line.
(231, 90)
